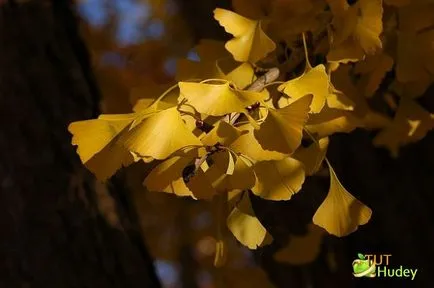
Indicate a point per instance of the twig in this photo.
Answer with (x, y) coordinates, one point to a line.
(259, 84)
(270, 76)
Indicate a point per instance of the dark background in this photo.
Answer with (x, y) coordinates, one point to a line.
(52, 234)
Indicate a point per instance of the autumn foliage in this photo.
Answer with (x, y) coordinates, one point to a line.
(294, 71)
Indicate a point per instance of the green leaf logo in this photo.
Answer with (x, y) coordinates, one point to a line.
(363, 267)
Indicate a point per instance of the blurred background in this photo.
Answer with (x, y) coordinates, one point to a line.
(55, 69)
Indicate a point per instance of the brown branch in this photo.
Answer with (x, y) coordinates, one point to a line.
(271, 75)
(259, 84)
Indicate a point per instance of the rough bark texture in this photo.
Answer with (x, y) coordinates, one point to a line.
(52, 234)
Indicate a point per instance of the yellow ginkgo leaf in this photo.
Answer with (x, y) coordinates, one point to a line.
(373, 70)
(242, 76)
(98, 146)
(228, 172)
(340, 213)
(356, 29)
(110, 159)
(411, 123)
(302, 250)
(250, 43)
(282, 129)
(218, 99)
(214, 64)
(338, 100)
(313, 156)
(278, 180)
(222, 133)
(346, 52)
(160, 135)
(330, 121)
(244, 225)
(91, 136)
(314, 81)
(247, 145)
(200, 186)
(369, 24)
(168, 175)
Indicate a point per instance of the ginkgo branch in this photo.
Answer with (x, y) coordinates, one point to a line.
(259, 84)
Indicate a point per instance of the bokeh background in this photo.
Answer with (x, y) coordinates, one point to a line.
(60, 228)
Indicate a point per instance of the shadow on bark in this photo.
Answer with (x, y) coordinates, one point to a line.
(52, 233)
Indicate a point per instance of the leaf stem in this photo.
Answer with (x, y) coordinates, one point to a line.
(274, 83)
(164, 95)
(317, 143)
(214, 80)
(306, 53)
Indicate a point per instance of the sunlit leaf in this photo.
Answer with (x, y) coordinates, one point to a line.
(278, 180)
(168, 175)
(98, 146)
(250, 43)
(314, 81)
(218, 99)
(244, 225)
(330, 121)
(282, 129)
(249, 146)
(224, 178)
(222, 133)
(160, 135)
(340, 213)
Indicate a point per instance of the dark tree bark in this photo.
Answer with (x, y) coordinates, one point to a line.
(52, 233)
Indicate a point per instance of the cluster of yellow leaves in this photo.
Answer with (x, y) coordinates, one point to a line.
(221, 131)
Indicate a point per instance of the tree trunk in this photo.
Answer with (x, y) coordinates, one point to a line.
(52, 231)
